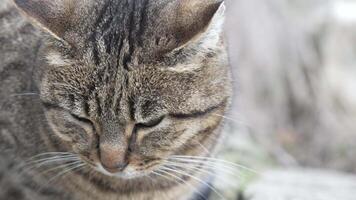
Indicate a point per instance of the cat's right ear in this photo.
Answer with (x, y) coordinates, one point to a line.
(53, 16)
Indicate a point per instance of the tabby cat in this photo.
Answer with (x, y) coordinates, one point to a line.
(110, 99)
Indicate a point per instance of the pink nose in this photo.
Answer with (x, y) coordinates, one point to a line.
(113, 159)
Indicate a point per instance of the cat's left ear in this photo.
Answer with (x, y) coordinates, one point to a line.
(199, 16)
(55, 16)
(190, 20)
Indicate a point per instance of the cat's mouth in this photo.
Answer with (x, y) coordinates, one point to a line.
(129, 172)
(135, 167)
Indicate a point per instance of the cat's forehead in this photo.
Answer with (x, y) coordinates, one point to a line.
(149, 89)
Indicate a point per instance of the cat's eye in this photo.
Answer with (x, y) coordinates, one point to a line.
(81, 119)
(152, 123)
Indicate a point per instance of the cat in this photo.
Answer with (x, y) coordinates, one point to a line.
(111, 99)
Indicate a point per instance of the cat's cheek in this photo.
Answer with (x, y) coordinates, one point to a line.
(85, 144)
(59, 134)
(75, 133)
(55, 124)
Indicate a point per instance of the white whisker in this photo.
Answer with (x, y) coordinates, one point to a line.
(35, 163)
(24, 94)
(62, 166)
(211, 160)
(51, 153)
(53, 161)
(203, 147)
(51, 158)
(78, 166)
(165, 177)
(232, 119)
(196, 178)
(209, 170)
(211, 164)
(175, 178)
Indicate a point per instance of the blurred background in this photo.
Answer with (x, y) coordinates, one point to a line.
(293, 119)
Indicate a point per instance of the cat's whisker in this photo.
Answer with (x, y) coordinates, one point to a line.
(65, 171)
(213, 160)
(217, 165)
(35, 163)
(204, 168)
(51, 153)
(73, 168)
(44, 157)
(165, 177)
(203, 147)
(197, 142)
(52, 161)
(50, 158)
(177, 179)
(24, 94)
(189, 165)
(197, 179)
(239, 122)
(62, 166)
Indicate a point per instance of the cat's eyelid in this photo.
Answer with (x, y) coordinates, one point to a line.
(81, 118)
(76, 116)
(49, 105)
(196, 114)
(152, 122)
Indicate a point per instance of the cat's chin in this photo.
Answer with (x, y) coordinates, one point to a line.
(127, 174)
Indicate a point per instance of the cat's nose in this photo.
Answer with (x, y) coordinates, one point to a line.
(119, 167)
(113, 159)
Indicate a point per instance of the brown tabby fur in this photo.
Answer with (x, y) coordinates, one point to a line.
(121, 84)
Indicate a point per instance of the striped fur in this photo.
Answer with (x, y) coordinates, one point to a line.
(131, 81)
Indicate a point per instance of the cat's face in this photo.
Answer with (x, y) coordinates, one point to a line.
(126, 94)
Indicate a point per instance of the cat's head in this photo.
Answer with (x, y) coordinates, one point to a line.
(128, 84)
